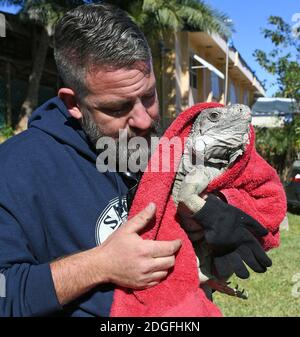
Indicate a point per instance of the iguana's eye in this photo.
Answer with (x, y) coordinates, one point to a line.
(214, 116)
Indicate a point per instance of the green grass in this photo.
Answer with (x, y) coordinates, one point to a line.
(270, 294)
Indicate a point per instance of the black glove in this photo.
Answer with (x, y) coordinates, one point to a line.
(251, 253)
(230, 234)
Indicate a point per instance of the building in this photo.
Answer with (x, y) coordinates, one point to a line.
(190, 67)
(194, 65)
(274, 112)
(17, 50)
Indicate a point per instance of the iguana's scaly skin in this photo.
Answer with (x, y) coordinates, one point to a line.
(218, 137)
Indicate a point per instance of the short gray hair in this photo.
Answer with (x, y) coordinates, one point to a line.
(96, 35)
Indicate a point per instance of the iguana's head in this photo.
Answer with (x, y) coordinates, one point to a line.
(221, 133)
(236, 117)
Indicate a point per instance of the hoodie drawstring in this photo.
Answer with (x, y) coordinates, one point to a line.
(120, 204)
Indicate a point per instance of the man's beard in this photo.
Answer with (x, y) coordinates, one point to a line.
(94, 133)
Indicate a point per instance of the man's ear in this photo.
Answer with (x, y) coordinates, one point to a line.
(67, 95)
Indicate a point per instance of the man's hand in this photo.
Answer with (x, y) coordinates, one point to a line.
(231, 236)
(124, 259)
(132, 262)
(226, 227)
(251, 253)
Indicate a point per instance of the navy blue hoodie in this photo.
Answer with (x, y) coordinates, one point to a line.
(53, 203)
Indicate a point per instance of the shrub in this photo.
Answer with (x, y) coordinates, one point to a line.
(279, 146)
(5, 133)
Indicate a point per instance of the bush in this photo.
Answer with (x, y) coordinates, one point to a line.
(279, 146)
(5, 133)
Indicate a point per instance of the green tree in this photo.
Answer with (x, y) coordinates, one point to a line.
(284, 60)
(280, 146)
(154, 17)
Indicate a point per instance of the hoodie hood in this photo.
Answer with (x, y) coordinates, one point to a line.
(54, 118)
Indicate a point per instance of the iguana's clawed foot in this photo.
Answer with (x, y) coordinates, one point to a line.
(193, 184)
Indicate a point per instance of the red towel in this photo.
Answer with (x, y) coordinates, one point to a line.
(250, 184)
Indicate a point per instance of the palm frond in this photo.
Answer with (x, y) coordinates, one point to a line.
(191, 15)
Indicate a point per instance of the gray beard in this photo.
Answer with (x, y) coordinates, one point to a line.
(94, 133)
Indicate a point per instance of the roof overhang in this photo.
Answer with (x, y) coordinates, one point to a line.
(217, 47)
(208, 66)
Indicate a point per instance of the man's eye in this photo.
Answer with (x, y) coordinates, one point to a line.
(149, 99)
(117, 112)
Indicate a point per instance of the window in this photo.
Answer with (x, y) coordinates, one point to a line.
(233, 99)
(246, 97)
(193, 73)
(215, 85)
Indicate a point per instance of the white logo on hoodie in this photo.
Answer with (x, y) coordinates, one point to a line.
(111, 219)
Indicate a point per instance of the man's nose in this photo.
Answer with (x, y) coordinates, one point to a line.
(139, 117)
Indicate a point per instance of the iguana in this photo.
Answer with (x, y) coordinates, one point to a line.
(218, 137)
(252, 204)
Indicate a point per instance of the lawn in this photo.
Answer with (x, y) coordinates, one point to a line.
(277, 292)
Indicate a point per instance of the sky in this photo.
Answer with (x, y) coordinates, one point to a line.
(249, 17)
(9, 9)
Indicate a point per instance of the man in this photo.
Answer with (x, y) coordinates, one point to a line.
(62, 247)
(54, 202)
